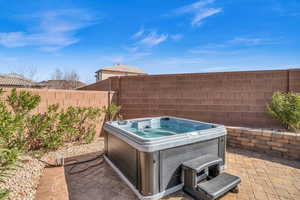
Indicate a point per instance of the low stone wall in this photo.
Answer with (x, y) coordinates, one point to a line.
(282, 144)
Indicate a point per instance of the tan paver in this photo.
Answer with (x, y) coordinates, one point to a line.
(52, 185)
(263, 178)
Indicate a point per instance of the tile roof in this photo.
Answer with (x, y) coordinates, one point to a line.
(15, 80)
(123, 68)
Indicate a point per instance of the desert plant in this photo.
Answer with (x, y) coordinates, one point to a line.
(13, 115)
(50, 130)
(11, 127)
(3, 193)
(112, 112)
(285, 107)
(78, 123)
(8, 159)
(42, 131)
(23, 102)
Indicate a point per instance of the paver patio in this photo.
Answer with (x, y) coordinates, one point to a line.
(263, 178)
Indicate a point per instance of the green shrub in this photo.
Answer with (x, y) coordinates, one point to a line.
(3, 193)
(11, 128)
(42, 131)
(285, 107)
(23, 102)
(78, 123)
(112, 112)
(13, 118)
(50, 130)
(8, 159)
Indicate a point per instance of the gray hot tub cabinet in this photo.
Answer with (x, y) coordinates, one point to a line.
(152, 167)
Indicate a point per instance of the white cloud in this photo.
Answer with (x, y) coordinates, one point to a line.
(199, 10)
(176, 37)
(145, 40)
(182, 61)
(234, 46)
(192, 7)
(52, 31)
(152, 39)
(204, 14)
(8, 59)
(202, 51)
(13, 39)
(226, 46)
(122, 58)
(131, 49)
(138, 34)
(249, 41)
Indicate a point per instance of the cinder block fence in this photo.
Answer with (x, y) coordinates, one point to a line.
(230, 98)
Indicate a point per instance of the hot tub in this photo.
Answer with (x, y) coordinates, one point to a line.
(148, 152)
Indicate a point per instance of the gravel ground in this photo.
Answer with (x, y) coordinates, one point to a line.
(74, 150)
(24, 184)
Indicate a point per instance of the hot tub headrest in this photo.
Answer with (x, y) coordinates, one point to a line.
(142, 124)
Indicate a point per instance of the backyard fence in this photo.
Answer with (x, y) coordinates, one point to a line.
(67, 98)
(230, 98)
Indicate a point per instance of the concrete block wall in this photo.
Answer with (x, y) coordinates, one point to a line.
(230, 98)
(294, 80)
(66, 98)
(100, 86)
(282, 144)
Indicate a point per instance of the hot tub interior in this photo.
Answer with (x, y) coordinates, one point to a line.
(159, 127)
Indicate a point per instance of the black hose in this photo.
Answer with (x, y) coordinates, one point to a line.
(70, 172)
(49, 165)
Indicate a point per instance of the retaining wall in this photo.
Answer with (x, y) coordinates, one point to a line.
(282, 144)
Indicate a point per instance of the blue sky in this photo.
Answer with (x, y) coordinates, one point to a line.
(170, 36)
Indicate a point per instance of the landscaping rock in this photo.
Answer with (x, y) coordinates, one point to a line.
(23, 184)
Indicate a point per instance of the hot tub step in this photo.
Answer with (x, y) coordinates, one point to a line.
(203, 162)
(218, 186)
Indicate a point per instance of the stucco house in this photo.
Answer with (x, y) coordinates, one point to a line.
(117, 70)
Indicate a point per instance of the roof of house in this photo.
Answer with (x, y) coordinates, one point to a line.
(16, 80)
(122, 68)
(62, 84)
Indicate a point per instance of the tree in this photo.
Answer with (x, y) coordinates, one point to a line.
(65, 80)
(57, 74)
(73, 77)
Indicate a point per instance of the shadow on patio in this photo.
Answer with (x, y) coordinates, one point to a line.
(263, 177)
(94, 179)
